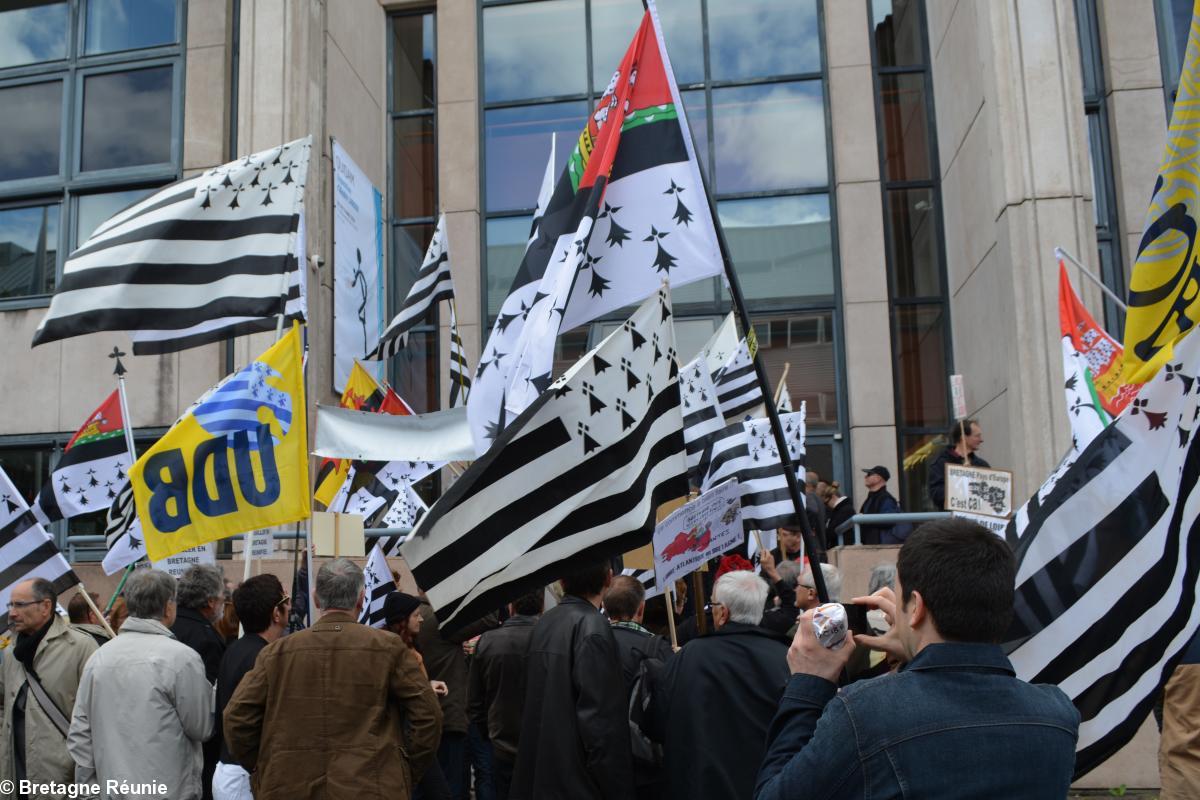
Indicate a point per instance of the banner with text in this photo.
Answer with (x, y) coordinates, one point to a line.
(706, 527)
(976, 490)
(359, 291)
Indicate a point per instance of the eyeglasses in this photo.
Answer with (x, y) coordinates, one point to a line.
(714, 604)
(23, 604)
(287, 598)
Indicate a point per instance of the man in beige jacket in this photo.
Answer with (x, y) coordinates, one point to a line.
(49, 651)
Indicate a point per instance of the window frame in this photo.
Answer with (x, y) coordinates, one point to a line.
(71, 181)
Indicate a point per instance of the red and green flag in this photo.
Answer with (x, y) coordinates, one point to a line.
(92, 469)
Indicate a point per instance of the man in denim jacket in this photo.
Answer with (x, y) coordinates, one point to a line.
(953, 721)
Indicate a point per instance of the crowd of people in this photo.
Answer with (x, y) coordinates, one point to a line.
(586, 698)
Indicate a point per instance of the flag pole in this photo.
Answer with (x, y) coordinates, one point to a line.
(735, 291)
(119, 370)
(1060, 253)
(787, 365)
(81, 589)
(117, 592)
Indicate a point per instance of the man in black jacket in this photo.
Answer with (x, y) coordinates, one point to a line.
(965, 438)
(200, 603)
(880, 501)
(716, 697)
(262, 607)
(497, 685)
(575, 731)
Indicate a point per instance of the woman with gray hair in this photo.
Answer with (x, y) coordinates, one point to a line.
(144, 705)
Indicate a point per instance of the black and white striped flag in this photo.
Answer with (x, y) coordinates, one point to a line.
(200, 260)
(576, 477)
(378, 584)
(433, 285)
(646, 578)
(738, 391)
(460, 373)
(1107, 566)
(702, 418)
(746, 451)
(26, 550)
(122, 532)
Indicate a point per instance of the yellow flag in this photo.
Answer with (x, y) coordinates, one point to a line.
(1164, 288)
(235, 462)
(362, 393)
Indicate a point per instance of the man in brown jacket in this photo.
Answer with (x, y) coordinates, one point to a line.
(339, 711)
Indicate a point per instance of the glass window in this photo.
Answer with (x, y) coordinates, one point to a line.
(27, 468)
(127, 119)
(917, 452)
(898, 38)
(128, 24)
(916, 263)
(1174, 20)
(770, 136)
(906, 135)
(921, 365)
(781, 246)
(413, 61)
(761, 38)
(805, 341)
(414, 161)
(506, 240)
(33, 32)
(416, 370)
(695, 107)
(93, 209)
(615, 21)
(409, 243)
(28, 250)
(32, 114)
(517, 144)
(534, 50)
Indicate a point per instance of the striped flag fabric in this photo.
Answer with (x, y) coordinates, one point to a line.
(576, 477)
(200, 260)
(432, 286)
(26, 550)
(628, 211)
(646, 578)
(460, 372)
(701, 413)
(377, 576)
(92, 468)
(1107, 569)
(122, 532)
(746, 451)
(738, 392)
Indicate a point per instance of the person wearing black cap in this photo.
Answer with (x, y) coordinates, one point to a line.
(880, 501)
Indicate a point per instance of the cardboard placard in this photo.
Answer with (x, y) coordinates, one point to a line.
(338, 534)
(958, 395)
(976, 490)
(996, 525)
(706, 527)
(260, 543)
(179, 563)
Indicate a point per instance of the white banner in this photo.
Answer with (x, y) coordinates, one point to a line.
(261, 543)
(179, 563)
(359, 289)
(694, 533)
(363, 436)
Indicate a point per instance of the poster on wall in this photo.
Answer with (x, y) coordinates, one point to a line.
(359, 305)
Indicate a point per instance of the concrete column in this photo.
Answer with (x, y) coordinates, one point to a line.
(1016, 182)
(866, 326)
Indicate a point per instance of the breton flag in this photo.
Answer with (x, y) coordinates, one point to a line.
(1092, 366)
(784, 403)
(1163, 302)
(628, 212)
(738, 392)
(433, 285)
(122, 532)
(91, 470)
(460, 372)
(746, 451)
(26, 550)
(387, 498)
(577, 477)
(702, 418)
(1106, 567)
(378, 584)
(198, 261)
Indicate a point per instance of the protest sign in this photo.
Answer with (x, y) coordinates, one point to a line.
(179, 563)
(976, 490)
(996, 525)
(705, 527)
(260, 543)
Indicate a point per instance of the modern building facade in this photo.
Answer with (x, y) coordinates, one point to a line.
(892, 175)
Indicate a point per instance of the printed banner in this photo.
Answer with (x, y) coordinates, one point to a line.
(237, 461)
(359, 294)
(706, 527)
(176, 565)
(976, 490)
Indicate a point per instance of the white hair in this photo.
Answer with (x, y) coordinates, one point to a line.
(833, 581)
(743, 594)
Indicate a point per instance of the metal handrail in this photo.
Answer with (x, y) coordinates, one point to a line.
(874, 519)
(84, 539)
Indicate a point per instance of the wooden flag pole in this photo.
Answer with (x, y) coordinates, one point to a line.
(79, 587)
(670, 598)
(787, 365)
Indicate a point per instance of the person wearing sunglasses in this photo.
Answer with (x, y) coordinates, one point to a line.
(262, 606)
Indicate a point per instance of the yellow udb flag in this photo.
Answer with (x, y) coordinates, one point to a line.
(1164, 288)
(237, 461)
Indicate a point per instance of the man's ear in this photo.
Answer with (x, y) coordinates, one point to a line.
(917, 611)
